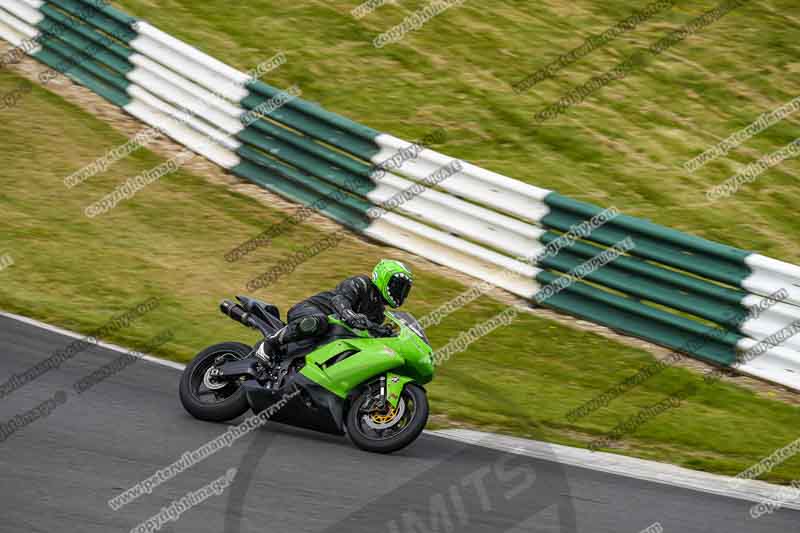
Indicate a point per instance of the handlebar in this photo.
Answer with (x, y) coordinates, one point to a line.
(374, 329)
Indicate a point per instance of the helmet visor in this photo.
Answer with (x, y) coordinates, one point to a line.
(399, 287)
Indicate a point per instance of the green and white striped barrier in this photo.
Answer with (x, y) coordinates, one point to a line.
(673, 289)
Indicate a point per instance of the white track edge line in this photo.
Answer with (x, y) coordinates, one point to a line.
(621, 465)
(101, 344)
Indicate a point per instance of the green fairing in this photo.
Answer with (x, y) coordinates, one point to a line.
(406, 355)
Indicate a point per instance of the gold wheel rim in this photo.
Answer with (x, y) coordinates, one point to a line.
(384, 418)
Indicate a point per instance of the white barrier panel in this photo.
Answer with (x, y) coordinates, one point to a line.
(20, 27)
(209, 132)
(779, 365)
(774, 318)
(770, 275)
(180, 132)
(474, 183)
(25, 12)
(194, 71)
(211, 64)
(395, 231)
(232, 110)
(470, 221)
(8, 33)
(183, 99)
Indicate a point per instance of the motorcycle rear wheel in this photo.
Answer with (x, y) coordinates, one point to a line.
(205, 399)
(391, 431)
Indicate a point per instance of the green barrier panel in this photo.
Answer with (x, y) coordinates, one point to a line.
(315, 128)
(98, 19)
(333, 194)
(670, 247)
(56, 17)
(309, 163)
(313, 110)
(110, 11)
(651, 282)
(90, 46)
(309, 193)
(74, 57)
(262, 127)
(644, 288)
(85, 78)
(639, 320)
(655, 272)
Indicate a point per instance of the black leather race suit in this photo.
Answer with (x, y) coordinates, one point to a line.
(309, 318)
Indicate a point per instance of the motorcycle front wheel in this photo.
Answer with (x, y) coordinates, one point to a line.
(204, 397)
(388, 429)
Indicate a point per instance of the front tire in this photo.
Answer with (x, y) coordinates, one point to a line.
(218, 402)
(391, 431)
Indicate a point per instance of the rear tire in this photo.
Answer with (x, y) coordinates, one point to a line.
(413, 400)
(231, 401)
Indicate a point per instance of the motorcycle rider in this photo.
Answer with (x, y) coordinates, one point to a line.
(359, 301)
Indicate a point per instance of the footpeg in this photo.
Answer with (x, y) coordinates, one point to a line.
(262, 355)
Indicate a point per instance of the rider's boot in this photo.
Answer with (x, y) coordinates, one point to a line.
(270, 351)
(273, 347)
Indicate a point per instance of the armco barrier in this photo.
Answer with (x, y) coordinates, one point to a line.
(673, 289)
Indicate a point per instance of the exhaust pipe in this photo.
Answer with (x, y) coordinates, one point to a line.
(236, 312)
(240, 315)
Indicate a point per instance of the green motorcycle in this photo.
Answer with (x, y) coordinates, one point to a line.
(366, 384)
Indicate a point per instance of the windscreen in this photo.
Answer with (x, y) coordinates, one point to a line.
(413, 324)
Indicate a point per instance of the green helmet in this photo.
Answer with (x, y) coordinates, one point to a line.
(394, 281)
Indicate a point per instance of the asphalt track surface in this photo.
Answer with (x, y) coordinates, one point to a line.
(58, 472)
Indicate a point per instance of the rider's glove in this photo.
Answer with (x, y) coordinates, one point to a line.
(356, 320)
(382, 331)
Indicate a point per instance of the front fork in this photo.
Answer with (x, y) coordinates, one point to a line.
(393, 385)
(390, 388)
